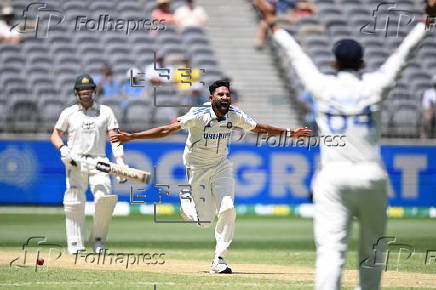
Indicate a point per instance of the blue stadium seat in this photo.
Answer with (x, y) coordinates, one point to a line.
(139, 114)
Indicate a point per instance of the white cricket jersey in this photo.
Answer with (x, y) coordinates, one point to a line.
(429, 99)
(87, 129)
(209, 136)
(348, 103)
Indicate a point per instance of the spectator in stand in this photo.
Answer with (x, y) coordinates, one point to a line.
(283, 7)
(107, 86)
(158, 73)
(197, 95)
(129, 91)
(6, 35)
(303, 8)
(428, 126)
(185, 76)
(190, 15)
(279, 8)
(162, 12)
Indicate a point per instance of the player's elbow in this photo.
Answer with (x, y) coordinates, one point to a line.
(54, 135)
(165, 132)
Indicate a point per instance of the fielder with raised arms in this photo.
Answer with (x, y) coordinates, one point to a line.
(209, 172)
(352, 181)
(87, 125)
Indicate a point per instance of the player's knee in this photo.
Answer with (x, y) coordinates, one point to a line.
(229, 214)
(105, 200)
(74, 207)
(226, 205)
(74, 194)
(101, 190)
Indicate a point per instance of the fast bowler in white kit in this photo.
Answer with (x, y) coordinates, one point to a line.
(352, 181)
(87, 125)
(209, 172)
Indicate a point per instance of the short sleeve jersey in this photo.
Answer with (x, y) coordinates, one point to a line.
(87, 129)
(209, 136)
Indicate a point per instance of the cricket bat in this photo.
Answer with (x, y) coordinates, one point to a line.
(111, 168)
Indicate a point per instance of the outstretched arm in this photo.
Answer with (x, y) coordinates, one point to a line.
(306, 70)
(264, 129)
(154, 133)
(385, 77)
(397, 61)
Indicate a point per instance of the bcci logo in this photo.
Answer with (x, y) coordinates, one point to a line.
(38, 18)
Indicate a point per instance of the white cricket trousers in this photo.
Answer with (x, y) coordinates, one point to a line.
(342, 193)
(78, 179)
(213, 191)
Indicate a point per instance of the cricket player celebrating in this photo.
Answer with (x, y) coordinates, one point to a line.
(352, 181)
(209, 172)
(87, 124)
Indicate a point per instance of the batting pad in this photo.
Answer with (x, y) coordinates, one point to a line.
(74, 225)
(104, 207)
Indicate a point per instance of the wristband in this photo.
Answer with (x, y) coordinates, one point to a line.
(61, 147)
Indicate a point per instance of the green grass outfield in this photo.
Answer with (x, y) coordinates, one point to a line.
(263, 245)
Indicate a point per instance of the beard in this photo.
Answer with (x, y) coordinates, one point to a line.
(218, 106)
(86, 99)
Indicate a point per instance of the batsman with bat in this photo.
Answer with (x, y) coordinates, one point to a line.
(209, 172)
(87, 124)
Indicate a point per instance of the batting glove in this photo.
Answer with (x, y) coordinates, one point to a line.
(65, 155)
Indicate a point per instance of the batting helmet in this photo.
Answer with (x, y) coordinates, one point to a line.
(84, 81)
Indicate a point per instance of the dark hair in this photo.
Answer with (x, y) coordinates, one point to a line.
(217, 84)
(349, 54)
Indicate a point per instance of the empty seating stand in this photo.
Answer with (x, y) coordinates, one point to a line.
(39, 72)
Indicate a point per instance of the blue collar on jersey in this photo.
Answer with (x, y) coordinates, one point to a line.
(213, 115)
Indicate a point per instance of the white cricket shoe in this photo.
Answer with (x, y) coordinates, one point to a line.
(98, 246)
(187, 207)
(220, 266)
